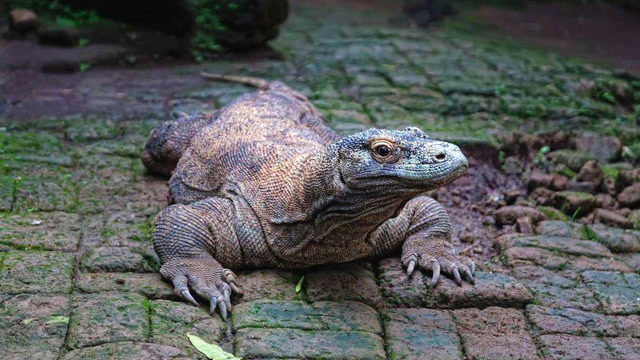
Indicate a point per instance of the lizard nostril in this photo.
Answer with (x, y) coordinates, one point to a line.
(440, 157)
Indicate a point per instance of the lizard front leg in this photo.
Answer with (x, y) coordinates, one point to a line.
(424, 226)
(194, 242)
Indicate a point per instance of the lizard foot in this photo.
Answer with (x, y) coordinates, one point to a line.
(207, 278)
(438, 256)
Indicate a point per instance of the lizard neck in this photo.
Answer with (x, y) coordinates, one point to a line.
(312, 180)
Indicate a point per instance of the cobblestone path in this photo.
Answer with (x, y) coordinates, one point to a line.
(78, 275)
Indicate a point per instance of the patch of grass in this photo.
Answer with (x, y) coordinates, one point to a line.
(588, 233)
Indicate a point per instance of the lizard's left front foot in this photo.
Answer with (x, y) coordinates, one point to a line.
(437, 256)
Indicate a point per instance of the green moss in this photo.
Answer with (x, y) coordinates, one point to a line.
(552, 213)
(610, 172)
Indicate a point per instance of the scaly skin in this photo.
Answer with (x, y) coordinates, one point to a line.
(265, 183)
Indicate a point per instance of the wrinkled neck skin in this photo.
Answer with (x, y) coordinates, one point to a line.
(319, 193)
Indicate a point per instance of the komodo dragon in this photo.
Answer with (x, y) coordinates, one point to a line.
(264, 182)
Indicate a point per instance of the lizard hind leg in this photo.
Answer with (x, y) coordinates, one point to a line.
(168, 141)
(207, 278)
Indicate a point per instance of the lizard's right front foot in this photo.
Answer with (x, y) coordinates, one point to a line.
(207, 278)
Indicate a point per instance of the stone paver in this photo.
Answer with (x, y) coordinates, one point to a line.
(569, 347)
(149, 285)
(78, 275)
(323, 315)
(423, 334)
(491, 290)
(96, 320)
(295, 343)
(170, 321)
(351, 282)
(35, 272)
(33, 325)
(47, 231)
(495, 333)
(127, 351)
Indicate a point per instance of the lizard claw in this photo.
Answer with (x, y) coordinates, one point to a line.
(207, 278)
(469, 276)
(411, 266)
(456, 276)
(438, 256)
(435, 268)
(187, 296)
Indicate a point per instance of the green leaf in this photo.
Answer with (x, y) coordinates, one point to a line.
(299, 285)
(27, 321)
(58, 319)
(212, 351)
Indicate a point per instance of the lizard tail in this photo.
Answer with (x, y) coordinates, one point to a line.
(246, 80)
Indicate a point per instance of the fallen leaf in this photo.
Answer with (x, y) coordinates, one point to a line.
(58, 319)
(212, 351)
(299, 285)
(27, 321)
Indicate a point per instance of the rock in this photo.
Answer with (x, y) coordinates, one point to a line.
(571, 202)
(611, 218)
(525, 225)
(591, 172)
(467, 237)
(512, 195)
(605, 200)
(59, 36)
(630, 196)
(603, 148)
(512, 165)
(624, 179)
(538, 179)
(581, 186)
(559, 182)
(23, 20)
(507, 215)
(249, 25)
(609, 186)
(555, 244)
(574, 160)
(617, 240)
(554, 228)
(634, 217)
(542, 196)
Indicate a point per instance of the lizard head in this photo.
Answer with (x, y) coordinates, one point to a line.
(406, 159)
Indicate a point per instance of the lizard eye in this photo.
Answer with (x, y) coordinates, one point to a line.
(383, 150)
